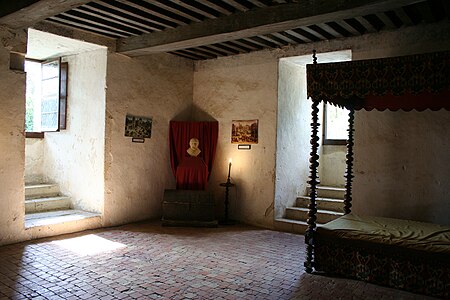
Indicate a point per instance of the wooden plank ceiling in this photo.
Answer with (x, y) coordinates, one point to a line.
(202, 29)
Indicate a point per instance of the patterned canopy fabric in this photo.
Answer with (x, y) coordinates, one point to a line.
(417, 82)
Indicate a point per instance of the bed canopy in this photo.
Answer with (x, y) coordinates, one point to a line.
(415, 82)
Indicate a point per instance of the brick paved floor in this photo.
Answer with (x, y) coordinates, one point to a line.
(146, 261)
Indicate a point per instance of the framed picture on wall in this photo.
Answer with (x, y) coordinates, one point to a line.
(244, 132)
(138, 127)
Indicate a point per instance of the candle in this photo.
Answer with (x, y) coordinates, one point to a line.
(229, 168)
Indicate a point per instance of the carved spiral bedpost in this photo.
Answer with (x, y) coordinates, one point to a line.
(349, 173)
(313, 182)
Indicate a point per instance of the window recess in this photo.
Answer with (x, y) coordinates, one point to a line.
(335, 125)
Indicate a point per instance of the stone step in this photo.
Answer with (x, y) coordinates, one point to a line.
(332, 192)
(322, 203)
(41, 190)
(292, 226)
(59, 217)
(301, 214)
(47, 204)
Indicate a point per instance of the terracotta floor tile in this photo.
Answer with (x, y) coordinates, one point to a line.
(147, 261)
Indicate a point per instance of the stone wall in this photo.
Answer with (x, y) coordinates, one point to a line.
(136, 174)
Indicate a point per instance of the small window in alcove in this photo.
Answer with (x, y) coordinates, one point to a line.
(335, 125)
(46, 96)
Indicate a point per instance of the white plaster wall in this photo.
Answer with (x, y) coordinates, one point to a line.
(12, 144)
(401, 165)
(157, 86)
(333, 165)
(242, 89)
(74, 157)
(294, 113)
(34, 160)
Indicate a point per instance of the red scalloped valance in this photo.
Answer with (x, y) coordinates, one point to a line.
(417, 82)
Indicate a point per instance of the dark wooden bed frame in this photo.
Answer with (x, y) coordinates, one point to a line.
(416, 82)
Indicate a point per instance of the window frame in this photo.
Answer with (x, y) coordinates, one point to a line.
(62, 98)
(325, 141)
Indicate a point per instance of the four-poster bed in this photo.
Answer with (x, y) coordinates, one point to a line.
(404, 254)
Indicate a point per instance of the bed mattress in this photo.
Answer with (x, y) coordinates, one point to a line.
(404, 233)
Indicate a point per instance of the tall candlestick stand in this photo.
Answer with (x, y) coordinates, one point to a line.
(227, 186)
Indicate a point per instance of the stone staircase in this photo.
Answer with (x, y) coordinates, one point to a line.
(45, 197)
(330, 204)
(44, 205)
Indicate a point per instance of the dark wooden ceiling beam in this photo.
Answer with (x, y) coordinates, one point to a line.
(213, 51)
(299, 36)
(65, 20)
(330, 30)
(287, 37)
(258, 3)
(236, 46)
(26, 13)
(198, 53)
(59, 24)
(113, 19)
(177, 9)
(246, 44)
(348, 27)
(236, 5)
(187, 55)
(225, 49)
(313, 33)
(138, 17)
(366, 24)
(128, 8)
(99, 22)
(197, 7)
(404, 17)
(280, 40)
(217, 7)
(262, 42)
(388, 24)
(253, 23)
(120, 16)
(156, 11)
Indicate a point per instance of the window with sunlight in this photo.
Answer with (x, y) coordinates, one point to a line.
(46, 96)
(335, 125)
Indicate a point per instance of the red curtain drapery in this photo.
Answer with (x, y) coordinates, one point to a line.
(179, 135)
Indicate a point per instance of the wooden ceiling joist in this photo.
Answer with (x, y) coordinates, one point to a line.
(257, 22)
(156, 11)
(24, 13)
(100, 22)
(366, 24)
(179, 10)
(113, 19)
(344, 24)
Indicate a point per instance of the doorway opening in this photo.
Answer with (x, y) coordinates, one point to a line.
(65, 129)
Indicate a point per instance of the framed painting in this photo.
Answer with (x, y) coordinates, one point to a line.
(138, 127)
(244, 132)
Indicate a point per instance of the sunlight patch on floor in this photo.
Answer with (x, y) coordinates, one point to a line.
(89, 245)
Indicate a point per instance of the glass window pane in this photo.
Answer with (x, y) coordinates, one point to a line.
(336, 122)
(50, 87)
(50, 96)
(33, 96)
(49, 121)
(50, 70)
